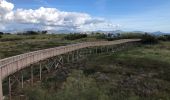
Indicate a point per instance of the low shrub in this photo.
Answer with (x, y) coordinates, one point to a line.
(131, 35)
(1, 33)
(162, 38)
(100, 36)
(167, 37)
(10, 39)
(75, 36)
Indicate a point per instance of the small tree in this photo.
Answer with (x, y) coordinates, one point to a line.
(167, 37)
(44, 32)
(31, 33)
(149, 39)
(1, 33)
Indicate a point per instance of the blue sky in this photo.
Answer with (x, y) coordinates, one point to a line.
(128, 15)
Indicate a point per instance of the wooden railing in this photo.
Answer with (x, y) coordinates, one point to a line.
(13, 64)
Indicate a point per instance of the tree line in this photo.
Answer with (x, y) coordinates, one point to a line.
(74, 36)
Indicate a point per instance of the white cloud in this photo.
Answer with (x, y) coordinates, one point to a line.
(5, 7)
(6, 12)
(51, 18)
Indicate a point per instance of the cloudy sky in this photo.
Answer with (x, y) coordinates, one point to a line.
(85, 15)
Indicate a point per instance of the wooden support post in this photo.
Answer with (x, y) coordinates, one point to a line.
(77, 54)
(62, 59)
(84, 52)
(73, 56)
(92, 50)
(32, 76)
(68, 57)
(9, 85)
(1, 92)
(89, 51)
(112, 48)
(22, 80)
(40, 71)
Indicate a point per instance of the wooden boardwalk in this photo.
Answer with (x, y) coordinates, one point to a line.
(13, 64)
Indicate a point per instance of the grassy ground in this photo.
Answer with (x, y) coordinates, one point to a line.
(140, 73)
(11, 45)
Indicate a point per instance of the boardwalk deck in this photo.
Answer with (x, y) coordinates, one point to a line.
(13, 64)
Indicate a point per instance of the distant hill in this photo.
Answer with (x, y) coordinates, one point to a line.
(113, 32)
(138, 32)
(158, 33)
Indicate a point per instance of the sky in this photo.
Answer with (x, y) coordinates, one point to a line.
(85, 15)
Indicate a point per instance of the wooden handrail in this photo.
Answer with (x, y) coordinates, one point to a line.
(13, 64)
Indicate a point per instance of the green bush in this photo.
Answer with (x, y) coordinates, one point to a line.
(149, 39)
(35, 94)
(1, 33)
(75, 36)
(162, 38)
(167, 37)
(80, 87)
(100, 36)
(0, 36)
(131, 35)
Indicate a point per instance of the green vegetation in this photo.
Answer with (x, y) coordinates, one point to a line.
(14, 44)
(149, 39)
(75, 36)
(11, 45)
(100, 36)
(33, 33)
(131, 35)
(139, 73)
(164, 38)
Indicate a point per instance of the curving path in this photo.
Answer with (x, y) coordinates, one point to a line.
(13, 64)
